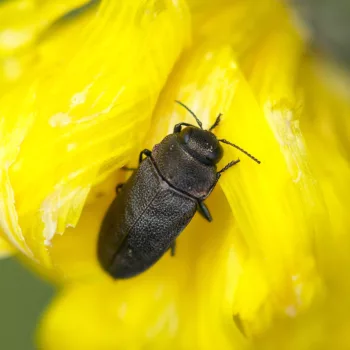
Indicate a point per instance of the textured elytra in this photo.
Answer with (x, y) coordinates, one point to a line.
(142, 222)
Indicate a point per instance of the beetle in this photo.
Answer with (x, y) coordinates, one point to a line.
(160, 198)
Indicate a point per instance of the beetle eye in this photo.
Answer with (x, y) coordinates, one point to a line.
(186, 135)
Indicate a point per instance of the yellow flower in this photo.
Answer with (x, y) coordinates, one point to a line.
(82, 94)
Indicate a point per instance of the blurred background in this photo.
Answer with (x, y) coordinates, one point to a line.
(23, 297)
(326, 24)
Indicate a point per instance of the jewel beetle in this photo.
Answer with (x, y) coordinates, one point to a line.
(160, 198)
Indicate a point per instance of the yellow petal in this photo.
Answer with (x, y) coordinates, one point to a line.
(74, 122)
(327, 132)
(74, 252)
(5, 248)
(278, 205)
(164, 305)
(26, 24)
(101, 317)
(22, 21)
(240, 23)
(273, 258)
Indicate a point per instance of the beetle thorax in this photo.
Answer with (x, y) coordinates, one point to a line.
(183, 170)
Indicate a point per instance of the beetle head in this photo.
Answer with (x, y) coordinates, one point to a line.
(201, 145)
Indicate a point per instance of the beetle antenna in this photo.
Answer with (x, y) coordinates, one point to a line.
(195, 117)
(240, 149)
(217, 122)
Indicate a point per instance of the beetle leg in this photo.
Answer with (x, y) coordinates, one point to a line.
(228, 166)
(177, 127)
(145, 152)
(172, 248)
(119, 187)
(125, 168)
(204, 211)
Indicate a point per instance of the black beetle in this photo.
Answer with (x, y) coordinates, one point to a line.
(160, 198)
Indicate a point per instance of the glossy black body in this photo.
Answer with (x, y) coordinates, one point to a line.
(158, 201)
